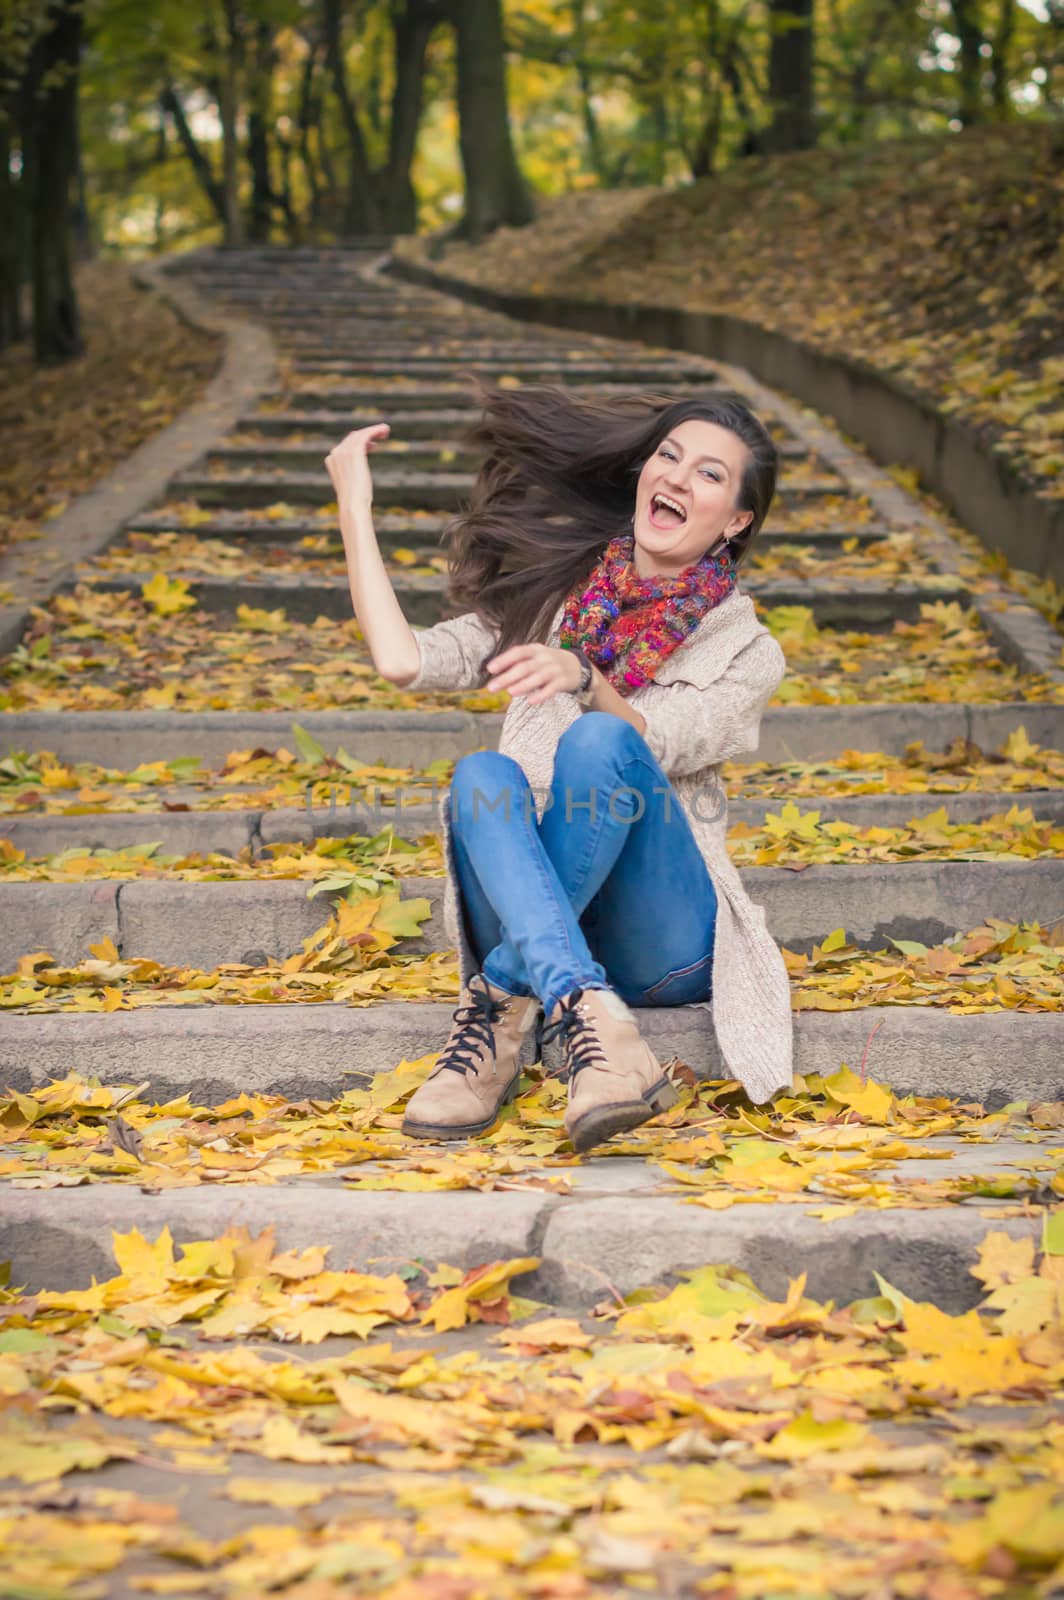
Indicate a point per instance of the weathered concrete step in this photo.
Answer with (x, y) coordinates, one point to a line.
(424, 599)
(417, 738)
(61, 1238)
(230, 831)
(544, 369)
(425, 456)
(359, 336)
(396, 528)
(421, 394)
(205, 924)
(413, 424)
(410, 423)
(318, 1050)
(431, 490)
(392, 527)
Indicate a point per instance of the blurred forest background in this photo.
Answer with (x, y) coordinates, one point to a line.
(140, 128)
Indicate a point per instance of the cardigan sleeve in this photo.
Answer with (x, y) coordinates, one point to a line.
(451, 653)
(689, 726)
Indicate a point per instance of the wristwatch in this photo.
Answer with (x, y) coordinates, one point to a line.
(585, 693)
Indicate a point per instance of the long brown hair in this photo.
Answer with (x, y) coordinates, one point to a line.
(558, 482)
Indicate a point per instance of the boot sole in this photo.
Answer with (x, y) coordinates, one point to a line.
(602, 1122)
(465, 1130)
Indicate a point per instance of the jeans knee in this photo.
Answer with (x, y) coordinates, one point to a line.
(485, 782)
(597, 736)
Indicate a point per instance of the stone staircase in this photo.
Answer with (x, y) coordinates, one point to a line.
(355, 345)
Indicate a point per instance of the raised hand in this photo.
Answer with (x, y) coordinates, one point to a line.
(348, 465)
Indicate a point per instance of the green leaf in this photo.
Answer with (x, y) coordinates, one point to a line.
(909, 947)
(16, 1341)
(1053, 1232)
(349, 763)
(308, 746)
(403, 917)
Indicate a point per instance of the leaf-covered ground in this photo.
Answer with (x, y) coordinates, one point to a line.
(938, 260)
(39, 782)
(838, 1141)
(356, 957)
(452, 1439)
(99, 650)
(64, 428)
(789, 837)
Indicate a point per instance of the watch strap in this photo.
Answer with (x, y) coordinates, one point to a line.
(586, 688)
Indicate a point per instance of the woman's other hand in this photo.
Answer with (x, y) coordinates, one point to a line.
(348, 465)
(538, 671)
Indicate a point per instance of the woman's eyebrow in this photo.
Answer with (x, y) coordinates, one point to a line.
(679, 447)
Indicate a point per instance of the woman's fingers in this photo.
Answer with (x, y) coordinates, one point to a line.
(380, 430)
(527, 683)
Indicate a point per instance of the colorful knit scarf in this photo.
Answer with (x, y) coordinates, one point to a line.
(628, 625)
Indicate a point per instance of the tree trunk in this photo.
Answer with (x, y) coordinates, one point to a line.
(291, 219)
(495, 190)
(360, 212)
(259, 97)
(732, 69)
(969, 61)
(11, 255)
(171, 106)
(52, 82)
(592, 131)
(790, 76)
(414, 22)
(228, 111)
(307, 117)
(999, 71)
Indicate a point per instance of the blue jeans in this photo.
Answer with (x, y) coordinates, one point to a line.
(608, 890)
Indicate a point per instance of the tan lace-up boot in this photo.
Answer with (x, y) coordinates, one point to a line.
(615, 1080)
(478, 1070)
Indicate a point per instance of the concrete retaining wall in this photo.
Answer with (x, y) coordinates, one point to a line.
(895, 424)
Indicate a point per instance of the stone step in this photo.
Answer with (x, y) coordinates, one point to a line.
(62, 1237)
(185, 832)
(308, 456)
(403, 390)
(425, 456)
(358, 336)
(421, 425)
(439, 368)
(318, 1050)
(872, 606)
(396, 528)
(391, 487)
(206, 924)
(416, 738)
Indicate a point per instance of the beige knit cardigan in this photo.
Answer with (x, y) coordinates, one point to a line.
(703, 707)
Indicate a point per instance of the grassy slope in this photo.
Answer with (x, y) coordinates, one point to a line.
(939, 260)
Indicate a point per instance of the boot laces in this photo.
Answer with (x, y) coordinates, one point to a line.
(476, 1022)
(579, 1039)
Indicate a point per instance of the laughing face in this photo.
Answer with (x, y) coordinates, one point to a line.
(685, 503)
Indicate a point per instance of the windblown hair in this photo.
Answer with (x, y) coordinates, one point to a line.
(558, 482)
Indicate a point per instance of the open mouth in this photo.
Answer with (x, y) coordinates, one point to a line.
(665, 512)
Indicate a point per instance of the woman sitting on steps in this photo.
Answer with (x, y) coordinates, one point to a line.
(587, 865)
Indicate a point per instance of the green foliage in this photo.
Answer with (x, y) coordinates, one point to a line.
(602, 93)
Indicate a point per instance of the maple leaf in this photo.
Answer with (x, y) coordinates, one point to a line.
(167, 596)
(459, 1305)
